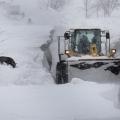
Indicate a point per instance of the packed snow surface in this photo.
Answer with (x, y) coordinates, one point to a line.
(77, 100)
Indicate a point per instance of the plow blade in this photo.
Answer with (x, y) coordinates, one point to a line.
(98, 70)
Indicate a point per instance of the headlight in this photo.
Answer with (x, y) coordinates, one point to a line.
(113, 51)
(67, 51)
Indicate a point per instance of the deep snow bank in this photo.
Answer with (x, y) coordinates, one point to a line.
(23, 44)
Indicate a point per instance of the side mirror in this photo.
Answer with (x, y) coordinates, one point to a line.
(66, 36)
(107, 35)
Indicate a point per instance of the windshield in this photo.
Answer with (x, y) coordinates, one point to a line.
(82, 39)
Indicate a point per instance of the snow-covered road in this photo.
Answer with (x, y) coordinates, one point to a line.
(75, 101)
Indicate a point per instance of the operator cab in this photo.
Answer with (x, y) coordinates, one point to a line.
(83, 40)
(93, 42)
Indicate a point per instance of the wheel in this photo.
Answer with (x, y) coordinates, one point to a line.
(61, 73)
(58, 74)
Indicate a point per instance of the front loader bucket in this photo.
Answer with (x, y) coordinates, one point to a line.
(102, 71)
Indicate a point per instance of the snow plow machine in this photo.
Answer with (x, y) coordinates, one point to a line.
(86, 54)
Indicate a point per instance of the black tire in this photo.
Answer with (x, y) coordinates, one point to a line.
(61, 73)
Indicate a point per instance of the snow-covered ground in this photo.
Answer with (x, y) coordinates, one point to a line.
(28, 92)
(75, 101)
(23, 44)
